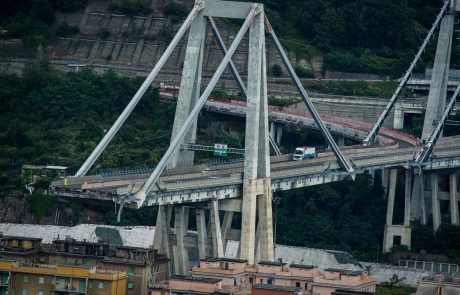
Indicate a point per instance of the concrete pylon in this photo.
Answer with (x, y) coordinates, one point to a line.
(438, 88)
(189, 90)
(257, 183)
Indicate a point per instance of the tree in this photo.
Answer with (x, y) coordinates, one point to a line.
(276, 70)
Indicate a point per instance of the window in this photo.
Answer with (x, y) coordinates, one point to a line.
(131, 270)
(13, 291)
(90, 284)
(14, 277)
(42, 259)
(130, 285)
(25, 279)
(41, 280)
(101, 285)
(297, 284)
(306, 286)
(270, 281)
(251, 281)
(261, 281)
(40, 292)
(24, 291)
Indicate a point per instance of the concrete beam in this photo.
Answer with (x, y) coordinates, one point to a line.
(391, 196)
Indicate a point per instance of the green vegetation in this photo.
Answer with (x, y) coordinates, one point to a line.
(64, 30)
(103, 33)
(345, 215)
(70, 5)
(131, 7)
(394, 290)
(175, 11)
(303, 72)
(49, 118)
(358, 88)
(378, 36)
(276, 70)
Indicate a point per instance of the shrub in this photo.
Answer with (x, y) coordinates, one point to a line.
(276, 70)
(219, 93)
(103, 33)
(64, 30)
(70, 5)
(132, 7)
(175, 10)
(303, 72)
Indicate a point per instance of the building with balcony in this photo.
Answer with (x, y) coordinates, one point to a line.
(238, 276)
(33, 278)
(182, 285)
(143, 268)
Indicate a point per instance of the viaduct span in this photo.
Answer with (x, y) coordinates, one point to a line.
(176, 186)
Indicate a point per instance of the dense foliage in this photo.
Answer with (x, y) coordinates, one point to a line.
(377, 36)
(346, 215)
(48, 118)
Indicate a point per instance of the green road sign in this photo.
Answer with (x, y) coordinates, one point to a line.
(220, 150)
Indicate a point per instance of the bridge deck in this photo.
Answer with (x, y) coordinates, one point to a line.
(225, 181)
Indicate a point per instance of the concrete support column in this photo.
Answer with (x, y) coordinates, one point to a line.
(453, 185)
(436, 210)
(257, 160)
(159, 236)
(273, 129)
(407, 194)
(279, 134)
(226, 226)
(266, 243)
(248, 225)
(216, 231)
(391, 196)
(341, 141)
(438, 87)
(189, 90)
(385, 177)
(201, 233)
(398, 121)
(165, 212)
(418, 210)
(181, 264)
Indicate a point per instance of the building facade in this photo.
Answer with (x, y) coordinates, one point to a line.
(237, 276)
(135, 269)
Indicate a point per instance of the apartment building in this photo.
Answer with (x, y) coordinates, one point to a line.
(142, 268)
(32, 278)
(237, 275)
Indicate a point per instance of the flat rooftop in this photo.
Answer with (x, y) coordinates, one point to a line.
(212, 259)
(344, 271)
(302, 266)
(275, 287)
(198, 280)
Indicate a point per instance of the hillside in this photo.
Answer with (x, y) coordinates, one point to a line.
(48, 117)
(359, 36)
